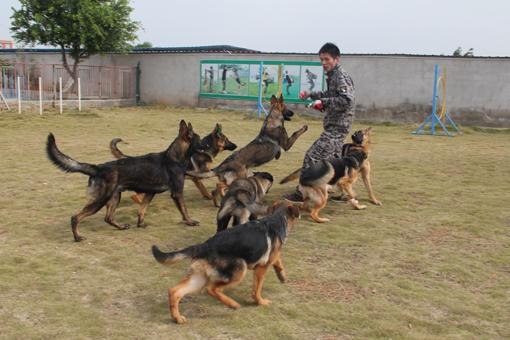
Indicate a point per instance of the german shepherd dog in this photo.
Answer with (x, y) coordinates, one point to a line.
(201, 161)
(315, 181)
(361, 141)
(243, 200)
(266, 147)
(222, 261)
(150, 174)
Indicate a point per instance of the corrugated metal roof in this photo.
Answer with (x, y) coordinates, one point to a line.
(229, 49)
(153, 50)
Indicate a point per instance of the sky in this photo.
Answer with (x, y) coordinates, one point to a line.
(357, 26)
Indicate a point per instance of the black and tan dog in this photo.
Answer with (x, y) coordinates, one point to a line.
(361, 141)
(316, 179)
(201, 161)
(243, 200)
(150, 174)
(223, 260)
(266, 147)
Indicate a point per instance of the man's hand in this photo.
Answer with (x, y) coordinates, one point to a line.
(304, 95)
(317, 105)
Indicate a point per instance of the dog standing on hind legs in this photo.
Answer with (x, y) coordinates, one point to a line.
(267, 146)
(223, 260)
(150, 174)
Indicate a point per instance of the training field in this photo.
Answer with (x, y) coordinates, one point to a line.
(432, 262)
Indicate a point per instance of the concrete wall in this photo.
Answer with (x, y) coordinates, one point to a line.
(391, 88)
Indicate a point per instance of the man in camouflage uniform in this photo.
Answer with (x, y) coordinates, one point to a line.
(338, 104)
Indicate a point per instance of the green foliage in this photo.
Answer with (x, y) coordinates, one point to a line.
(84, 27)
(145, 44)
(458, 52)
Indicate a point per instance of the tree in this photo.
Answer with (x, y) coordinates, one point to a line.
(457, 52)
(469, 53)
(81, 28)
(145, 44)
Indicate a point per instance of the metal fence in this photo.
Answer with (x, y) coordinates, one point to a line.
(43, 80)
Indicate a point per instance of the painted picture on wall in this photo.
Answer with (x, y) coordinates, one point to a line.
(290, 81)
(311, 78)
(245, 80)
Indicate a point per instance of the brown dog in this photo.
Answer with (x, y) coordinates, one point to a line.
(316, 179)
(271, 139)
(201, 161)
(223, 260)
(150, 174)
(361, 142)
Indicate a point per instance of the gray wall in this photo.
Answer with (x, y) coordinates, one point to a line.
(394, 88)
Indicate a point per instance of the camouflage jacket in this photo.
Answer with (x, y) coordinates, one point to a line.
(338, 101)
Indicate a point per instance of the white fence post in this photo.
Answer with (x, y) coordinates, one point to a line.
(40, 96)
(79, 94)
(60, 92)
(19, 95)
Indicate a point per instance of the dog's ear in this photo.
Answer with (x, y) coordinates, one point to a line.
(368, 130)
(217, 130)
(293, 211)
(281, 99)
(274, 100)
(182, 128)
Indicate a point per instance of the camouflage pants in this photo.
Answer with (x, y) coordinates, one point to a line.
(328, 146)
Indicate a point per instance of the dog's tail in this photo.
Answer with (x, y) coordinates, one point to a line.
(65, 162)
(198, 174)
(175, 256)
(291, 177)
(115, 150)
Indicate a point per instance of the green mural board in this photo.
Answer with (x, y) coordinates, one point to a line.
(239, 79)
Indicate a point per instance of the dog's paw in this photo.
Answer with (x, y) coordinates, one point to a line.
(263, 302)
(124, 226)
(79, 238)
(180, 319)
(376, 202)
(192, 223)
(282, 277)
(142, 225)
(234, 305)
(360, 207)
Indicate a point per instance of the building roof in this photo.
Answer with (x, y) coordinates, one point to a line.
(155, 50)
(229, 49)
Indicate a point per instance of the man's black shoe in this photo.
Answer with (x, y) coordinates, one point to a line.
(295, 197)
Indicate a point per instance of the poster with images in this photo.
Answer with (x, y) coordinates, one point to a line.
(242, 79)
(290, 81)
(209, 78)
(311, 78)
(269, 80)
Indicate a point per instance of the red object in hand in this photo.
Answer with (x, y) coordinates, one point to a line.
(318, 105)
(302, 95)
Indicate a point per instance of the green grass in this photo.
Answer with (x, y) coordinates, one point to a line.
(432, 262)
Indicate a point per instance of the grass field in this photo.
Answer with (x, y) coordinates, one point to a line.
(432, 262)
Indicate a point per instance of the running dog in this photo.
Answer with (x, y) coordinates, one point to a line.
(266, 147)
(361, 141)
(316, 179)
(150, 174)
(222, 261)
(201, 161)
(243, 200)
